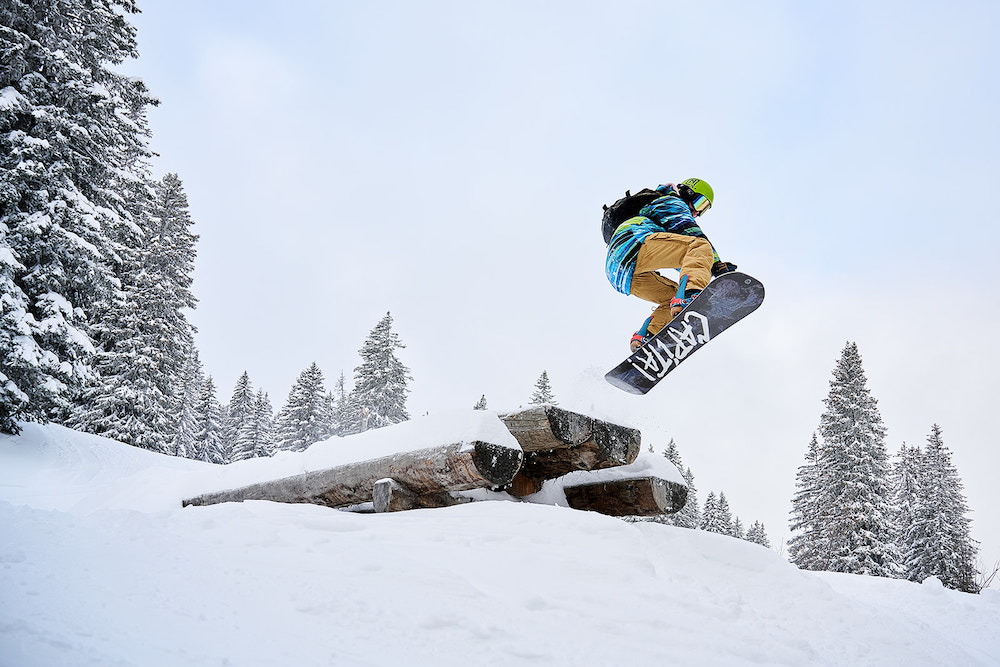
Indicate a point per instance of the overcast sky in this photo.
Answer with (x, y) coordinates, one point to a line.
(447, 162)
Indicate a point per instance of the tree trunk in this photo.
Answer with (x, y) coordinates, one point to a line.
(457, 467)
(557, 442)
(642, 496)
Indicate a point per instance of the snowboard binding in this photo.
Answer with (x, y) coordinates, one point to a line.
(680, 300)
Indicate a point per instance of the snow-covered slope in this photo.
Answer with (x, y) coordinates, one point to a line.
(99, 565)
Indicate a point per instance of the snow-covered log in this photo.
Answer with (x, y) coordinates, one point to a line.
(557, 442)
(538, 444)
(643, 496)
(425, 472)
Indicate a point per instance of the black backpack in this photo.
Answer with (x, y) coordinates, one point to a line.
(625, 208)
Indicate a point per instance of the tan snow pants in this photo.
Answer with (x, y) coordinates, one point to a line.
(689, 254)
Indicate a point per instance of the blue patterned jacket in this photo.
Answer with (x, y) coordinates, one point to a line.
(669, 213)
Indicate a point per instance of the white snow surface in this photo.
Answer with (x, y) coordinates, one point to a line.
(100, 565)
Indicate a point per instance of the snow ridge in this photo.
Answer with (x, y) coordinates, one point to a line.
(98, 568)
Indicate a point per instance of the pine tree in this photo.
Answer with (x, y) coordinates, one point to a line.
(183, 414)
(724, 518)
(171, 253)
(856, 526)
(543, 391)
(257, 433)
(381, 381)
(689, 516)
(168, 262)
(758, 535)
(236, 436)
(480, 404)
(209, 422)
(717, 517)
(130, 399)
(938, 541)
(305, 419)
(906, 484)
(710, 514)
(143, 333)
(806, 548)
(344, 415)
(673, 454)
(264, 421)
(330, 416)
(738, 530)
(71, 131)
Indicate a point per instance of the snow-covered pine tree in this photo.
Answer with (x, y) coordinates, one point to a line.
(343, 412)
(738, 530)
(236, 434)
(724, 516)
(143, 332)
(906, 500)
(689, 516)
(480, 404)
(805, 548)
(257, 433)
(716, 516)
(264, 418)
(673, 454)
(758, 535)
(710, 514)
(305, 418)
(70, 130)
(130, 399)
(169, 257)
(183, 414)
(208, 437)
(330, 407)
(855, 525)
(381, 382)
(543, 391)
(938, 542)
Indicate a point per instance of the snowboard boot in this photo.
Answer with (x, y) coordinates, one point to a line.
(638, 340)
(683, 298)
(640, 337)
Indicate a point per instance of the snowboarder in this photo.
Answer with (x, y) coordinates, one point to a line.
(664, 235)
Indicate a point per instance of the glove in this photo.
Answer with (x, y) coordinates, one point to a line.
(721, 267)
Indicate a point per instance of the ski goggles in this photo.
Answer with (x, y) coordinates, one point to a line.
(700, 204)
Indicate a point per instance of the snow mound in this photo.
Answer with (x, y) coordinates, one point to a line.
(53, 467)
(96, 569)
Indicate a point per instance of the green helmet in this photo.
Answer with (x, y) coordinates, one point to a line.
(700, 187)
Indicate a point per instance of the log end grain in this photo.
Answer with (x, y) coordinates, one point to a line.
(644, 496)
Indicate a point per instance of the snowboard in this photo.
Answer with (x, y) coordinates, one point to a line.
(727, 300)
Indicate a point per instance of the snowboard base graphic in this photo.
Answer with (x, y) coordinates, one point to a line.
(727, 300)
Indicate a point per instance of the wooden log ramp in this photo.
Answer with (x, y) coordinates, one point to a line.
(427, 475)
(553, 443)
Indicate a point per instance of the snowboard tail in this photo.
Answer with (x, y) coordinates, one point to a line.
(727, 300)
